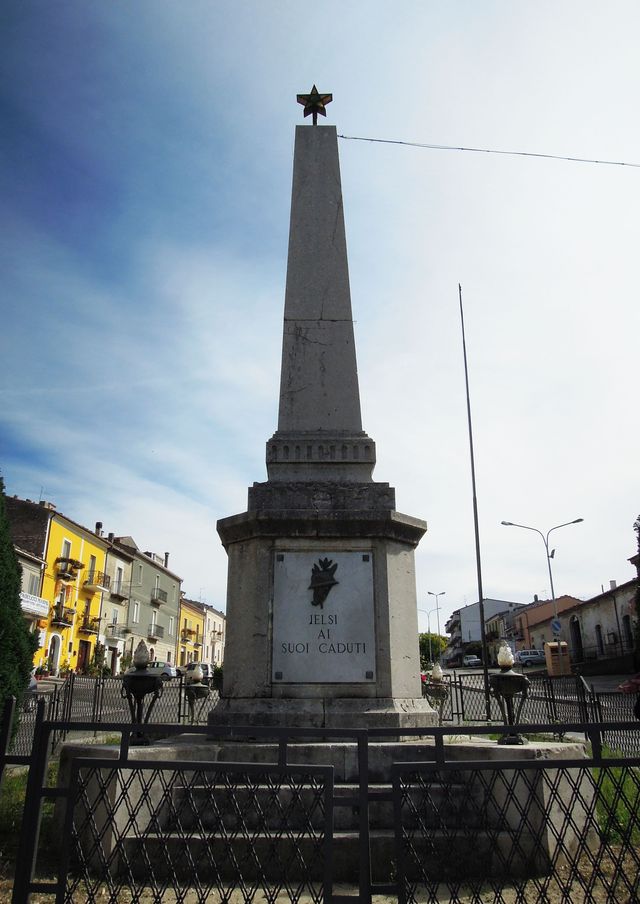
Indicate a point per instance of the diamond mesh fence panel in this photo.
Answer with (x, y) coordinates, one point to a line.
(21, 743)
(613, 706)
(515, 833)
(472, 700)
(548, 700)
(196, 832)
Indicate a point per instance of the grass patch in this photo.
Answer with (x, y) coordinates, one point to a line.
(618, 801)
(12, 797)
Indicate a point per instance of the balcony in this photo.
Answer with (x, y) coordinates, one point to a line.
(62, 616)
(90, 626)
(155, 632)
(187, 635)
(96, 580)
(118, 591)
(158, 597)
(67, 569)
(117, 631)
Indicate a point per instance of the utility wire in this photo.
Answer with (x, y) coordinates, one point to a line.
(450, 147)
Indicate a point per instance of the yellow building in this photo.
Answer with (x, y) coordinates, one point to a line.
(74, 581)
(191, 634)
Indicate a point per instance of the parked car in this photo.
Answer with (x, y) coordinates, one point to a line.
(530, 657)
(167, 670)
(471, 662)
(207, 671)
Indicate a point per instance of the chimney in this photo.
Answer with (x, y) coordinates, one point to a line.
(166, 560)
(535, 597)
(110, 537)
(612, 585)
(98, 530)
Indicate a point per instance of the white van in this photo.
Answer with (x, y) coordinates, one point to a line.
(531, 657)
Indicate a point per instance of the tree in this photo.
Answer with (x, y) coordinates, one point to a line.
(17, 644)
(438, 645)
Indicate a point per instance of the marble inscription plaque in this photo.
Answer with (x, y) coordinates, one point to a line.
(323, 617)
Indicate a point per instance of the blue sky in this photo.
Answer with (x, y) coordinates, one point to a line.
(146, 169)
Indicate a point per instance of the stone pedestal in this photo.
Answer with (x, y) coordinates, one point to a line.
(350, 660)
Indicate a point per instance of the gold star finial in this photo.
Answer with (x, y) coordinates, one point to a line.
(314, 103)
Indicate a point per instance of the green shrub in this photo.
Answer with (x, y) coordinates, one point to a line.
(17, 644)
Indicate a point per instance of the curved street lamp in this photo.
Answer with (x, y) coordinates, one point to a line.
(442, 593)
(428, 614)
(545, 540)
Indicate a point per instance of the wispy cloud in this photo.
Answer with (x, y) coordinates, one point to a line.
(144, 234)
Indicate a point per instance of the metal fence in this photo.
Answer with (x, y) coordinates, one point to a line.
(99, 700)
(566, 698)
(526, 832)
(449, 821)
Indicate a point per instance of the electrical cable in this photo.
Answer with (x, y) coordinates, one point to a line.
(450, 147)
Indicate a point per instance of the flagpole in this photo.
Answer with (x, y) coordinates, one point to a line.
(483, 638)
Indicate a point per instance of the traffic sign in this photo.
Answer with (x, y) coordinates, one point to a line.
(555, 627)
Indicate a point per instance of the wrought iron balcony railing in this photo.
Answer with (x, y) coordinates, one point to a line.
(67, 569)
(63, 616)
(155, 632)
(97, 580)
(158, 597)
(118, 591)
(90, 626)
(116, 630)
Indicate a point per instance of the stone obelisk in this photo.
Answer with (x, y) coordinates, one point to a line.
(321, 601)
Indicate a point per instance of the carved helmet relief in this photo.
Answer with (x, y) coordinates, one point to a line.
(322, 580)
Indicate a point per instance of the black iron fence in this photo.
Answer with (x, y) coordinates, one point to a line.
(562, 700)
(566, 698)
(99, 700)
(440, 817)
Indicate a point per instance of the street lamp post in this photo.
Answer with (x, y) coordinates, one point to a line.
(545, 540)
(428, 614)
(442, 593)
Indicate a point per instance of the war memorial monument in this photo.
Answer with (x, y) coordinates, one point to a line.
(321, 599)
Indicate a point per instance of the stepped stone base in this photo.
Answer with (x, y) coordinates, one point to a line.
(460, 843)
(324, 712)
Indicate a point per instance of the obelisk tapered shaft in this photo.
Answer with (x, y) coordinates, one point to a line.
(319, 420)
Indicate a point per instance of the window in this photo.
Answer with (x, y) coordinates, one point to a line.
(172, 624)
(154, 618)
(34, 584)
(168, 655)
(93, 567)
(599, 642)
(114, 616)
(117, 584)
(66, 549)
(136, 612)
(156, 585)
(626, 631)
(140, 575)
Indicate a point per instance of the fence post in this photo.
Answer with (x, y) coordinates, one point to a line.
(30, 831)
(180, 696)
(552, 709)
(461, 697)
